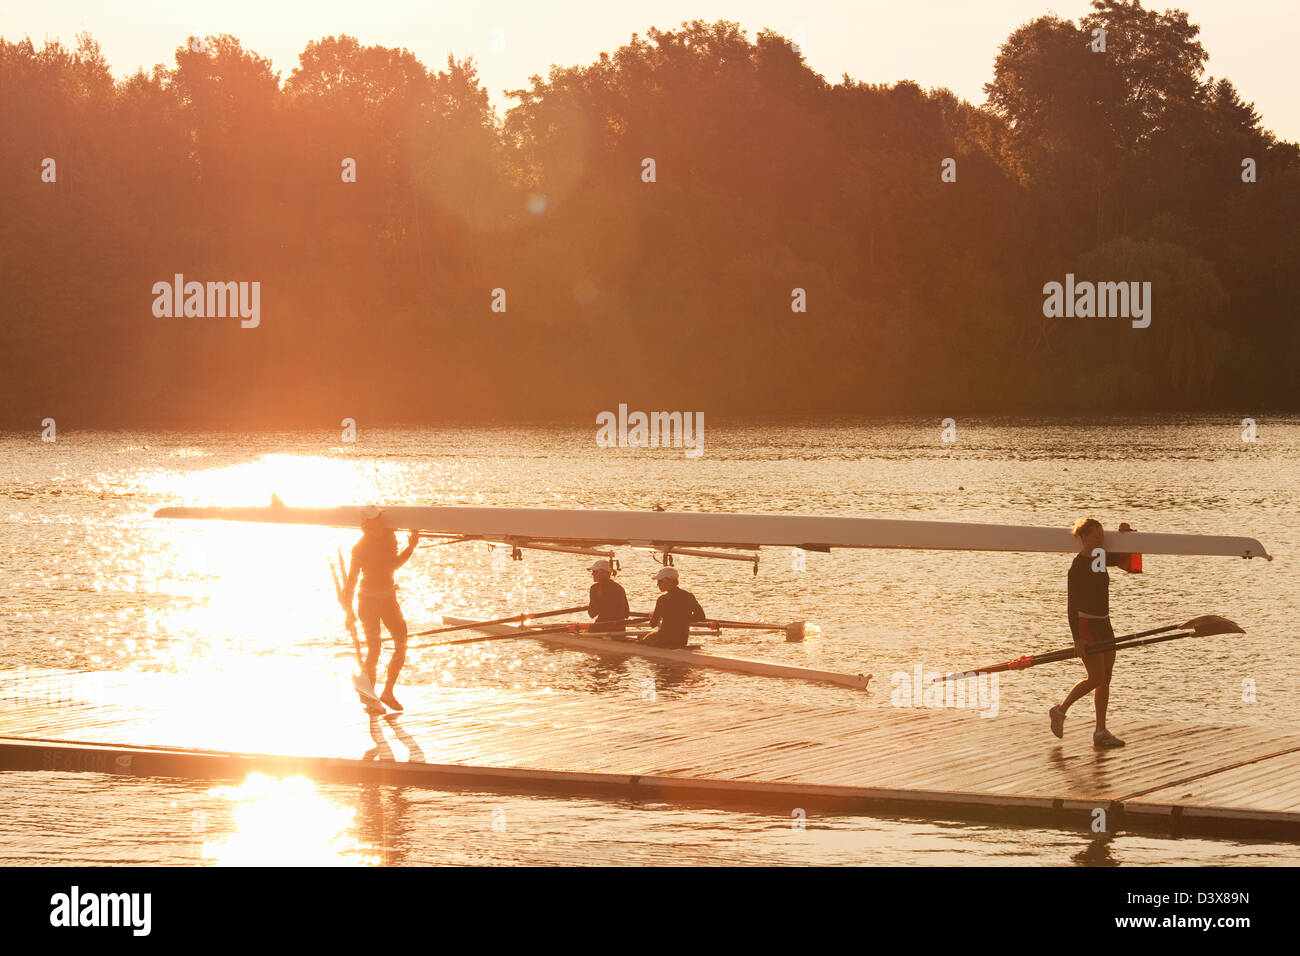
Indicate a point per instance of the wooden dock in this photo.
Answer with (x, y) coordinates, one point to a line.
(951, 764)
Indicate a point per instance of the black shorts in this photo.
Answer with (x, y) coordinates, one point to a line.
(1094, 630)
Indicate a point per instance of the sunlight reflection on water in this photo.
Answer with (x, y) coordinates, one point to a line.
(286, 822)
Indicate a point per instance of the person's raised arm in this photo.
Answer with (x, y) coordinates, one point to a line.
(1126, 560)
(410, 550)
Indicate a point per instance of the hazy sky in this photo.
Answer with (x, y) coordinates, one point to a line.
(948, 43)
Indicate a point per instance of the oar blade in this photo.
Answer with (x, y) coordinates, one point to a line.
(1208, 625)
(798, 630)
(362, 687)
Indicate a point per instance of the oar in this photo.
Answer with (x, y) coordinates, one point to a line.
(360, 682)
(1065, 653)
(1205, 626)
(518, 618)
(794, 627)
(794, 631)
(572, 628)
(520, 632)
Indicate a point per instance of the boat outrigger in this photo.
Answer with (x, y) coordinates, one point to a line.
(669, 534)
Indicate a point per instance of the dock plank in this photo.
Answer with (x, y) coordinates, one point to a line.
(1210, 774)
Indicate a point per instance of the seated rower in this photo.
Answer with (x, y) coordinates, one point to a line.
(607, 601)
(675, 612)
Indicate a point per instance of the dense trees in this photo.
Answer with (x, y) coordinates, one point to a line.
(923, 296)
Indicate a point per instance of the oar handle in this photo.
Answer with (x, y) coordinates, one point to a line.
(1020, 663)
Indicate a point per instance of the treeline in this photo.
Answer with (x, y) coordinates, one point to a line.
(377, 295)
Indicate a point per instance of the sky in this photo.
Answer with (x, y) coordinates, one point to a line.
(937, 43)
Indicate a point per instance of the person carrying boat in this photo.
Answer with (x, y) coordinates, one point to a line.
(675, 612)
(607, 601)
(1088, 605)
(374, 559)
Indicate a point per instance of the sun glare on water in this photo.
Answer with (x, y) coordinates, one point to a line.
(286, 822)
(253, 621)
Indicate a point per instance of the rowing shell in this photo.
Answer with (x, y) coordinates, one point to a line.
(725, 530)
(616, 648)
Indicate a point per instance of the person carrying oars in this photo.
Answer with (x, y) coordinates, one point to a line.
(1088, 605)
(374, 559)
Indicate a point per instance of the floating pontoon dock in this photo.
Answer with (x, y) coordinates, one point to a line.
(947, 764)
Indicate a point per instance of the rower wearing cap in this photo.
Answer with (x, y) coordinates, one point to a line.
(675, 612)
(607, 602)
(374, 559)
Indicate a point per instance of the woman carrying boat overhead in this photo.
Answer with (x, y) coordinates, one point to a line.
(1088, 605)
(374, 559)
(675, 612)
(607, 601)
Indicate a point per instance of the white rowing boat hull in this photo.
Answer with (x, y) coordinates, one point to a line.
(738, 665)
(689, 529)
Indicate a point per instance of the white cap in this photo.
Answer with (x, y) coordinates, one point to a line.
(666, 574)
(370, 514)
(601, 565)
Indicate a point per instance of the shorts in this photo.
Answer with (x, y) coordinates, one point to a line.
(1094, 630)
(373, 610)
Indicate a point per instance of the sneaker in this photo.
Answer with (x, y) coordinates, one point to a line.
(1105, 740)
(1058, 721)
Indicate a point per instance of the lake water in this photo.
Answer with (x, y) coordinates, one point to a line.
(92, 581)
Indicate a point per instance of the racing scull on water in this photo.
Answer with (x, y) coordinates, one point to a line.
(620, 644)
